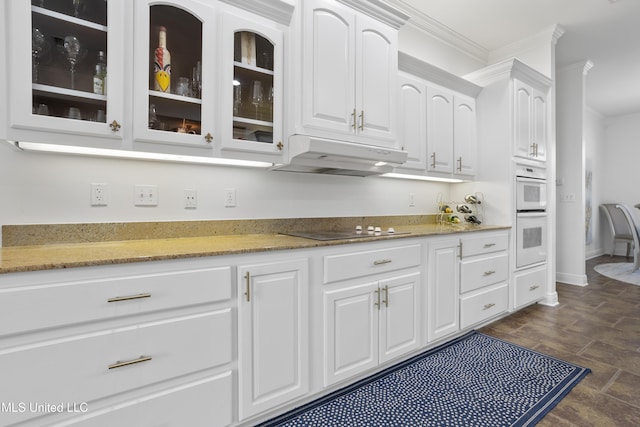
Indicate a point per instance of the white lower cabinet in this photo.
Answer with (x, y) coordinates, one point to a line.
(120, 337)
(529, 285)
(369, 323)
(369, 320)
(273, 334)
(443, 273)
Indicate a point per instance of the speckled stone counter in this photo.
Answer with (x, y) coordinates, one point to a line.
(69, 245)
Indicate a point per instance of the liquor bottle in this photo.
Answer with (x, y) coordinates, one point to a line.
(162, 64)
(100, 76)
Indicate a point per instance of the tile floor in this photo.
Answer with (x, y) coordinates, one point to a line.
(596, 326)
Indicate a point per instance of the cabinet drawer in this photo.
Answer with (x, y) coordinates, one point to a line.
(86, 367)
(205, 403)
(358, 264)
(72, 301)
(484, 244)
(530, 285)
(484, 305)
(484, 271)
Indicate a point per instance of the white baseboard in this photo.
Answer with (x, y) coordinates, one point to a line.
(572, 279)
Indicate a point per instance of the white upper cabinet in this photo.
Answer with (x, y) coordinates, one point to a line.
(66, 72)
(175, 96)
(412, 121)
(530, 115)
(437, 121)
(252, 85)
(348, 75)
(465, 137)
(439, 130)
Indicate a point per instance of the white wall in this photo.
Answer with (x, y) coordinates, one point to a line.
(52, 188)
(620, 154)
(570, 151)
(595, 150)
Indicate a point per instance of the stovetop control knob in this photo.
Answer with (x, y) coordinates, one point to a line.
(391, 230)
(358, 229)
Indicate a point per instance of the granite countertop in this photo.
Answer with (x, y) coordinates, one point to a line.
(51, 254)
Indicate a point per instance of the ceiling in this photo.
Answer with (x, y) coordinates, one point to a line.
(606, 32)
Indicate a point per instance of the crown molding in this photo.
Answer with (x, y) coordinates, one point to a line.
(433, 74)
(384, 11)
(509, 68)
(549, 36)
(440, 32)
(277, 10)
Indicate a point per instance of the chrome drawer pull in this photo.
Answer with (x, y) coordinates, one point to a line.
(534, 287)
(488, 245)
(140, 359)
(381, 261)
(489, 273)
(129, 297)
(386, 296)
(377, 303)
(247, 292)
(488, 306)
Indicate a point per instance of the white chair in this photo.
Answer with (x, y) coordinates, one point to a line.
(635, 232)
(618, 224)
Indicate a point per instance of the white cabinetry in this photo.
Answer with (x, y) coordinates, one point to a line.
(530, 121)
(468, 281)
(412, 120)
(437, 120)
(443, 282)
(49, 102)
(273, 334)
(118, 337)
(348, 74)
(368, 321)
(251, 114)
(484, 276)
(529, 285)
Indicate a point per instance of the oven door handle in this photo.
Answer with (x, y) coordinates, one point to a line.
(531, 214)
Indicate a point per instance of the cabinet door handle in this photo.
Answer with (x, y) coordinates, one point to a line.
(536, 149)
(377, 303)
(488, 245)
(247, 291)
(534, 287)
(382, 261)
(208, 137)
(489, 273)
(433, 159)
(460, 164)
(129, 297)
(361, 127)
(353, 119)
(119, 364)
(115, 126)
(488, 306)
(386, 296)
(460, 254)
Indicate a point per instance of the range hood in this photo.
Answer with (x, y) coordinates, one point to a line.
(328, 156)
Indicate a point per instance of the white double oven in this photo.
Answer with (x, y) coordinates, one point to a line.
(531, 215)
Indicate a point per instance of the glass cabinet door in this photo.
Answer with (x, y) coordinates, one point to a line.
(71, 80)
(174, 79)
(252, 86)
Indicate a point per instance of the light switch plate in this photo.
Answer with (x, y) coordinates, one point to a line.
(145, 195)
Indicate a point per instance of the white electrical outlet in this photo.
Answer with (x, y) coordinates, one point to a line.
(98, 194)
(145, 195)
(229, 197)
(190, 199)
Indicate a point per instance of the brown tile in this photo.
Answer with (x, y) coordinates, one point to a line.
(626, 387)
(613, 355)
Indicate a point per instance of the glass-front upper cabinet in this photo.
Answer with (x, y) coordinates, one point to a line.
(175, 75)
(66, 70)
(251, 85)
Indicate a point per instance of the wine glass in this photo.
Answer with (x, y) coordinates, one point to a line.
(38, 47)
(77, 7)
(73, 52)
(257, 96)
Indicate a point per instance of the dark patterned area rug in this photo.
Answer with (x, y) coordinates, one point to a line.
(474, 380)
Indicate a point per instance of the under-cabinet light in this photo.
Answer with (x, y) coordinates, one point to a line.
(134, 155)
(421, 177)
